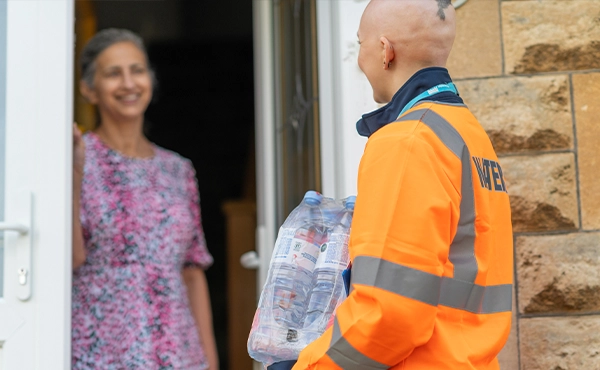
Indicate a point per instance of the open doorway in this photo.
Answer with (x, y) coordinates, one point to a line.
(202, 53)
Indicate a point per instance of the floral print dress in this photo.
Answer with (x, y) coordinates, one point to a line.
(141, 225)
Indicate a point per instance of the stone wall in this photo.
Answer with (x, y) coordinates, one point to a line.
(530, 71)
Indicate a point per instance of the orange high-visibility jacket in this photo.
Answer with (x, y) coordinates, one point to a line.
(431, 247)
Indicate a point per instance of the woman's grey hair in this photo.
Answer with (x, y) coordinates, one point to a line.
(100, 42)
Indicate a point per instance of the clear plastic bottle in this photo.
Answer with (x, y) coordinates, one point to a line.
(328, 286)
(276, 330)
(296, 264)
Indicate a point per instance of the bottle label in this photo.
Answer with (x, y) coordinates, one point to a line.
(304, 254)
(298, 247)
(283, 244)
(334, 253)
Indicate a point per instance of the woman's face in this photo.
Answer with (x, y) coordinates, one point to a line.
(122, 83)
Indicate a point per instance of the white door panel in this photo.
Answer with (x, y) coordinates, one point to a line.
(344, 94)
(36, 118)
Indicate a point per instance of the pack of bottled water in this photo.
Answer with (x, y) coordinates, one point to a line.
(304, 284)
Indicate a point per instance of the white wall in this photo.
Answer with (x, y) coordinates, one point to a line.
(345, 94)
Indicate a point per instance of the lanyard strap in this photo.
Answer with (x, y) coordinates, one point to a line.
(431, 92)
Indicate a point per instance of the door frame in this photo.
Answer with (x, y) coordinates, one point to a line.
(264, 95)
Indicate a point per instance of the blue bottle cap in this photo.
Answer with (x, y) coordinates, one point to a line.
(349, 203)
(313, 198)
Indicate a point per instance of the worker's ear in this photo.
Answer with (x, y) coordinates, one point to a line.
(88, 93)
(387, 52)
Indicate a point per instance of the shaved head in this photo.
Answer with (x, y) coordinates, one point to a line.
(400, 37)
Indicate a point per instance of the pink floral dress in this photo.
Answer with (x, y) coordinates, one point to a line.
(141, 225)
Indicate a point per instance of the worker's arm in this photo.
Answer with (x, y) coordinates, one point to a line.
(401, 233)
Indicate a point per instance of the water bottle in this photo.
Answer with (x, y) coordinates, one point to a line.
(296, 264)
(328, 287)
(276, 330)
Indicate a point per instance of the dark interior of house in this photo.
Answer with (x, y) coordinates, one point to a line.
(203, 107)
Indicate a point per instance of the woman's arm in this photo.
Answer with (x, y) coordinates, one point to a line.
(78, 162)
(197, 290)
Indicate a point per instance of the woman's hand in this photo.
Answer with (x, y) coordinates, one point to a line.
(78, 153)
(78, 163)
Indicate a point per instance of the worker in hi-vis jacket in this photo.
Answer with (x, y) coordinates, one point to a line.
(431, 240)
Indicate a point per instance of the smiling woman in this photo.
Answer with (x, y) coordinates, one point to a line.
(116, 76)
(140, 298)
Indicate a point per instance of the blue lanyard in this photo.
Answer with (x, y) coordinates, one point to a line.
(431, 92)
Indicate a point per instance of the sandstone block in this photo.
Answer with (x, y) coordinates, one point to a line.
(522, 113)
(551, 35)
(565, 343)
(559, 273)
(586, 89)
(477, 51)
(542, 191)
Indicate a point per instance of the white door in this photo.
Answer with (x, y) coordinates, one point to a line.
(36, 52)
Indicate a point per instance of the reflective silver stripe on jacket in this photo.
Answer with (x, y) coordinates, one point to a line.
(459, 292)
(429, 288)
(462, 249)
(346, 356)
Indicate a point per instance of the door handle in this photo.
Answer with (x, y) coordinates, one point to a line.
(250, 260)
(20, 228)
(22, 243)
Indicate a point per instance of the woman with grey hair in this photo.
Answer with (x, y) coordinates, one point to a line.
(140, 297)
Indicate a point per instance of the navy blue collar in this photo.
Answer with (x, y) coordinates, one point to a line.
(419, 82)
